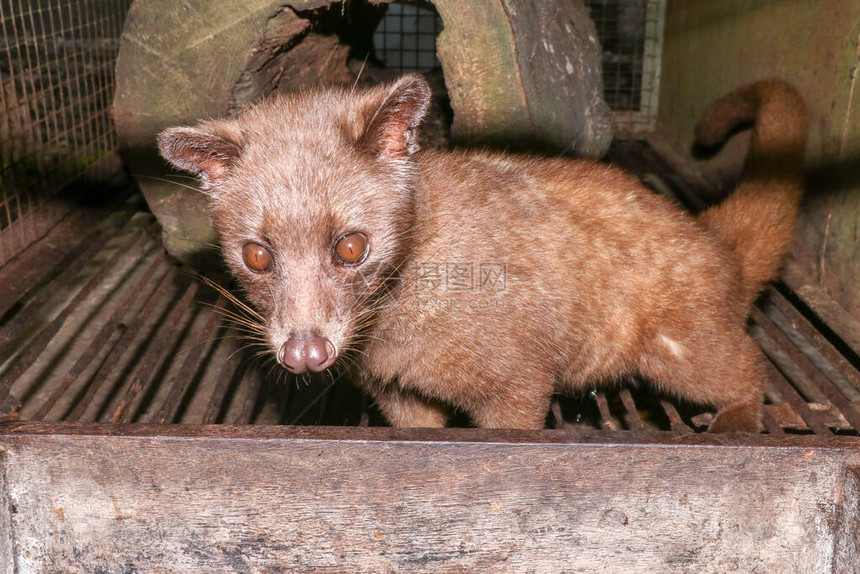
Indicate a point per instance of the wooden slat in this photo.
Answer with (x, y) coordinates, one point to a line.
(676, 423)
(10, 409)
(225, 376)
(456, 435)
(155, 355)
(21, 362)
(800, 406)
(798, 321)
(607, 421)
(631, 414)
(118, 351)
(251, 386)
(180, 383)
(44, 261)
(818, 379)
(107, 335)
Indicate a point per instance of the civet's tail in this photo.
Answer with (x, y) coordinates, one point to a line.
(757, 220)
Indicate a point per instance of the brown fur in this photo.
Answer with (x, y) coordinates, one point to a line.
(603, 278)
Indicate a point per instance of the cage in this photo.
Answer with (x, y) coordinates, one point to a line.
(139, 433)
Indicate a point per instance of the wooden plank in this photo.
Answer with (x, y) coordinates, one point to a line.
(585, 436)
(7, 558)
(847, 547)
(111, 503)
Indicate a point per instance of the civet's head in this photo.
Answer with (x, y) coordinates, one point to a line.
(312, 195)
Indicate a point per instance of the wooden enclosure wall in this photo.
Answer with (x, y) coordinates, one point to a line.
(712, 46)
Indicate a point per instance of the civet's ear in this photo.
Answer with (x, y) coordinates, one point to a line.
(392, 131)
(207, 150)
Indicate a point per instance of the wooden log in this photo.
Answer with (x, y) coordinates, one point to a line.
(528, 77)
(179, 63)
(520, 74)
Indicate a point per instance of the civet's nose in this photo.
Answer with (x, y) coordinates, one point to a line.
(306, 352)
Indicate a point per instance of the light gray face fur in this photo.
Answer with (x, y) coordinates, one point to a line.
(294, 174)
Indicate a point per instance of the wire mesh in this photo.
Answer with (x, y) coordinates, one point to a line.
(630, 33)
(56, 84)
(405, 39)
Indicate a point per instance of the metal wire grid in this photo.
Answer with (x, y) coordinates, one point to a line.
(630, 32)
(56, 84)
(631, 35)
(405, 39)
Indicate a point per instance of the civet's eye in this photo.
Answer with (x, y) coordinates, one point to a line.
(351, 248)
(257, 257)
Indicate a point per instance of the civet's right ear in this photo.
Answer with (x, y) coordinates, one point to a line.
(392, 132)
(208, 150)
